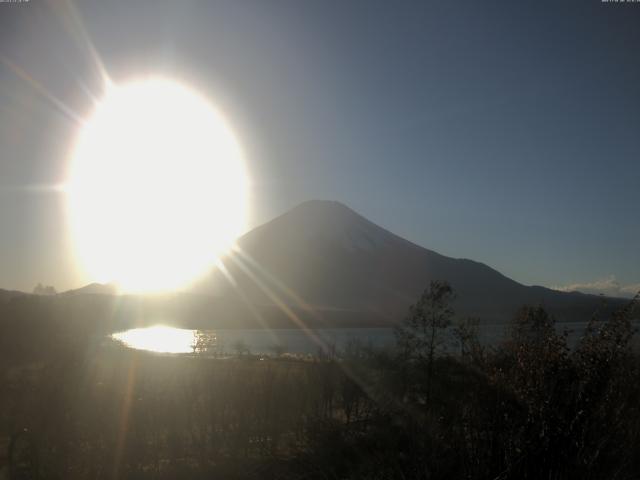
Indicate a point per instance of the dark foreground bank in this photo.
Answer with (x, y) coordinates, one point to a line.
(528, 408)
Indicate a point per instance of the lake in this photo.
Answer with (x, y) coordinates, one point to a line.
(262, 342)
(223, 342)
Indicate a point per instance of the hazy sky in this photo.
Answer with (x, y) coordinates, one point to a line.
(506, 132)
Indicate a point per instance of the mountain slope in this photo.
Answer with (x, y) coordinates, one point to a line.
(336, 260)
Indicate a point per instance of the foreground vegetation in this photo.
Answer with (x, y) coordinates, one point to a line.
(530, 408)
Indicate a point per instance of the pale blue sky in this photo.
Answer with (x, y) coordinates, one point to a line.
(505, 132)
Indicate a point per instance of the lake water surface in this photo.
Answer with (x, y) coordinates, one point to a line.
(285, 341)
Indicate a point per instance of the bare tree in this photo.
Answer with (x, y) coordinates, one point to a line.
(422, 333)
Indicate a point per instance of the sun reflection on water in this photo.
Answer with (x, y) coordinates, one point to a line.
(159, 339)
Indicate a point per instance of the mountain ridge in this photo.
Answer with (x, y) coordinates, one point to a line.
(334, 257)
(323, 264)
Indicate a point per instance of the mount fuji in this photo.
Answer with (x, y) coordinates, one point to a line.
(323, 258)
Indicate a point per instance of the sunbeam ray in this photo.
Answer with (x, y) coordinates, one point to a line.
(125, 410)
(369, 388)
(278, 283)
(238, 291)
(38, 87)
(73, 23)
(280, 304)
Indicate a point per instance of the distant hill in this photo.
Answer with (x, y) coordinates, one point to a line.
(6, 295)
(94, 289)
(335, 260)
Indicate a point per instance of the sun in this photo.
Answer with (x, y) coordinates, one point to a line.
(156, 189)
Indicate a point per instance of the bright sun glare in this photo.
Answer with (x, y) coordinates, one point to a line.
(158, 339)
(156, 188)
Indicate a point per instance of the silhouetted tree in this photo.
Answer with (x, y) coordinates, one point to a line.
(422, 333)
(466, 332)
(40, 289)
(534, 364)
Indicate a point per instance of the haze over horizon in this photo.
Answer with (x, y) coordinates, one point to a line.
(519, 153)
